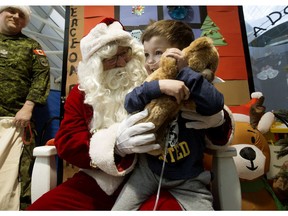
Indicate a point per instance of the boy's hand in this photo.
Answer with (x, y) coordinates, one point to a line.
(178, 55)
(174, 88)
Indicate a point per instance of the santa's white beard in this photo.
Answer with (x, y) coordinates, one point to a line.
(107, 91)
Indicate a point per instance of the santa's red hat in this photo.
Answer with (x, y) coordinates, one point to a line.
(106, 31)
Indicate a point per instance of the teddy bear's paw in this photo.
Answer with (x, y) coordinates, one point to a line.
(208, 74)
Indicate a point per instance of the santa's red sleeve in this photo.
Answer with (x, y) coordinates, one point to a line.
(76, 145)
(73, 137)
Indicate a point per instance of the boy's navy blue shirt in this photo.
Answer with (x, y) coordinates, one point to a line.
(185, 145)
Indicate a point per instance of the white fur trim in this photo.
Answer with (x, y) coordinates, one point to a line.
(238, 117)
(99, 36)
(101, 151)
(25, 9)
(209, 143)
(256, 94)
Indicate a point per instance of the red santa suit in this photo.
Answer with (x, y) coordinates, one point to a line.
(107, 172)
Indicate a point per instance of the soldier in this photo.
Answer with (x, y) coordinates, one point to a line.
(25, 82)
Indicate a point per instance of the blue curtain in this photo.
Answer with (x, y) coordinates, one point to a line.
(47, 118)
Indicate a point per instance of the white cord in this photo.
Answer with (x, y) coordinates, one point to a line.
(161, 177)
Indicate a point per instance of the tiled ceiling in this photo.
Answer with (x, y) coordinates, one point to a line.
(47, 27)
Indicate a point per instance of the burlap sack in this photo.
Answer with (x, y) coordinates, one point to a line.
(10, 152)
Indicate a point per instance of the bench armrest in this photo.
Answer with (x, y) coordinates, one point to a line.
(44, 175)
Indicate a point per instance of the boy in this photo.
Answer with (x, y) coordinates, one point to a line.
(184, 175)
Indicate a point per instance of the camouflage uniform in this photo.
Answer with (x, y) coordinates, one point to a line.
(24, 75)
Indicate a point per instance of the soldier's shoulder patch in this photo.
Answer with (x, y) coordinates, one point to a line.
(39, 52)
(43, 61)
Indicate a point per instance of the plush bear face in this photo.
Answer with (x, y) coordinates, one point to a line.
(253, 155)
(202, 57)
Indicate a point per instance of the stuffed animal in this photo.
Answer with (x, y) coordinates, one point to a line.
(253, 154)
(202, 57)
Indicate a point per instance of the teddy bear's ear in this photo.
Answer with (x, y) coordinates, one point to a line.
(257, 110)
(258, 118)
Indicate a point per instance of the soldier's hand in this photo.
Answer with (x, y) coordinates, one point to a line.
(23, 116)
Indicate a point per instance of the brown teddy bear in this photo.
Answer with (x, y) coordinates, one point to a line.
(202, 56)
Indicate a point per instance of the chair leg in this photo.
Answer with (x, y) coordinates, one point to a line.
(226, 187)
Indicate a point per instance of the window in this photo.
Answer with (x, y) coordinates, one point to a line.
(267, 37)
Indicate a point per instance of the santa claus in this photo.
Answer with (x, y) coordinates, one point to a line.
(95, 129)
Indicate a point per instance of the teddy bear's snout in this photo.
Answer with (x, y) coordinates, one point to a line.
(249, 154)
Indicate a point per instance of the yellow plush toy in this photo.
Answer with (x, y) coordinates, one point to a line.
(202, 57)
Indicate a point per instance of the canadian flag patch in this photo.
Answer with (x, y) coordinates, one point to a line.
(39, 52)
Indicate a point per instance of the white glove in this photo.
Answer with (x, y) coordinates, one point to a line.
(199, 121)
(131, 137)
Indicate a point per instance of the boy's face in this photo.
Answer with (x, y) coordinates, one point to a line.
(153, 49)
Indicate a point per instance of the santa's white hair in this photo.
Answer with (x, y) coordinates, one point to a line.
(105, 91)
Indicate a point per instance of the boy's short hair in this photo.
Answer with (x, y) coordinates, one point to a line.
(178, 34)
